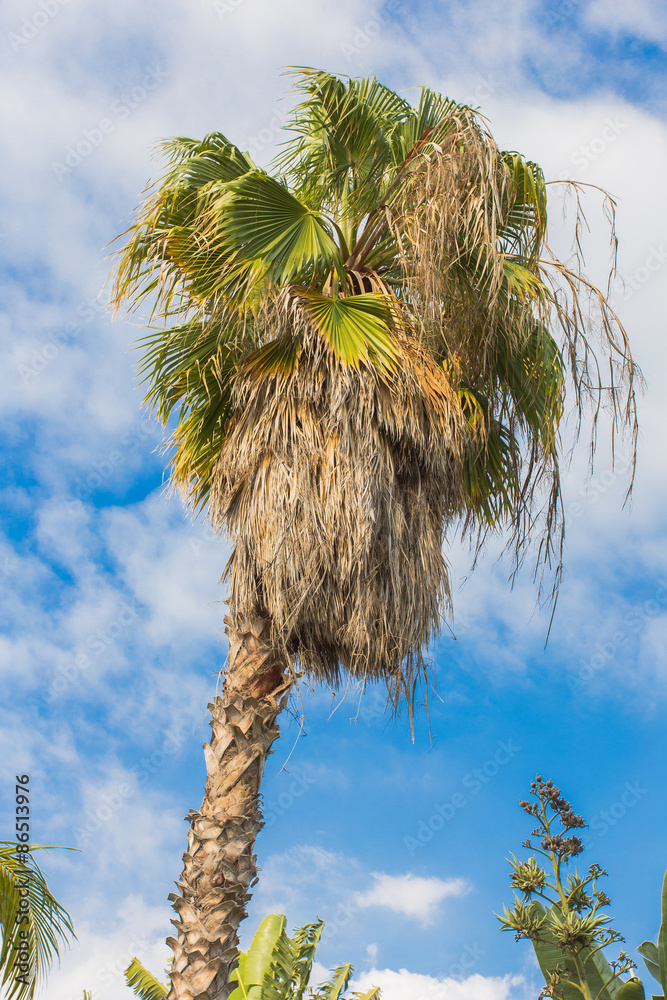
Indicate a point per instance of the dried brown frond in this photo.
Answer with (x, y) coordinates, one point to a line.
(447, 225)
(474, 294)
(335, 483)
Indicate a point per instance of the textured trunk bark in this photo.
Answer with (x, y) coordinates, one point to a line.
(219, 864)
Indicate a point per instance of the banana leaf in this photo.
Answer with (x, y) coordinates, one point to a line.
(649, 953)
(662, 939)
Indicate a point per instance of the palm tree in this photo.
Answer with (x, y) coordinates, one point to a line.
(360, 350)
(33, 924)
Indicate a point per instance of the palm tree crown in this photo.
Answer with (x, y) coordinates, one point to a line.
(369, 343)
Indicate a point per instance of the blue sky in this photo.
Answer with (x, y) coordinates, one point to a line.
(112, 613)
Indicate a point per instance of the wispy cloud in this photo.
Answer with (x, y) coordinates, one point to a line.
(411, 895)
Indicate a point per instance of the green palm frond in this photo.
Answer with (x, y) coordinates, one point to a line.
(169, 232)
(524, 224)
(304, 941)
(33, 924)
(491, 467)
(197, 163)
(279, 355)
(191, 367)
(343, 128)
(144, 984)
(522, 282)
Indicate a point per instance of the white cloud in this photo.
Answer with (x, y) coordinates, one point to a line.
(641, 19)
(142, 574)
(411, 895)
(290, 881)
(404, 985)
(98, 959)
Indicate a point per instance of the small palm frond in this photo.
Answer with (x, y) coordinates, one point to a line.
(278, 356)
(336, 986)
(524, 219)
(33, 924)
(372, 994)
(145, 985)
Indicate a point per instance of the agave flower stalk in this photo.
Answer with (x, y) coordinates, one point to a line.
(568, 937)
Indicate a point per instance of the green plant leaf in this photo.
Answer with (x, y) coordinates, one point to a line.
(334, 987)
(633, 989)
(279, 355)
(277, 967)
(662, 938)
(255, 965)
(372, 994)
(197, 163)
(29, 913)
(304, 941)
(649, 953)
(144, 984)
(521, 280)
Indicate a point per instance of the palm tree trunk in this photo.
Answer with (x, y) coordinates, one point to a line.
(219, 864)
